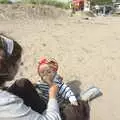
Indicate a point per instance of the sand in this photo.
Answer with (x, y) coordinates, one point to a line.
(88, 51)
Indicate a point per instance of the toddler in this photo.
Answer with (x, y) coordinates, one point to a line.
(47, 70)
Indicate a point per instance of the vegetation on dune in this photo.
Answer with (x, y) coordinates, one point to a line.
(57, 3)
(48, 2)
(45, 2)
(4, 1)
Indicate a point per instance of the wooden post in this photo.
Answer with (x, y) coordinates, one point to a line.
(86, 5)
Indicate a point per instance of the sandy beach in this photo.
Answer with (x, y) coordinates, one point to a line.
(88, 51)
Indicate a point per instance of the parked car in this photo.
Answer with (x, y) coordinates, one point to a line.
(102, 9)
(116, 7)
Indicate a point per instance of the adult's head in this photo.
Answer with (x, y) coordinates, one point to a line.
(80, 112)
(10, 55)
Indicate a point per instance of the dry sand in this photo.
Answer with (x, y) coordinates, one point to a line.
(88, 51)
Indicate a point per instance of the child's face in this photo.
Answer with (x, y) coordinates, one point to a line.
(46, 73)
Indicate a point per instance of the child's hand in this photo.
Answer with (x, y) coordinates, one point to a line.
(53, 91)
(74, 103)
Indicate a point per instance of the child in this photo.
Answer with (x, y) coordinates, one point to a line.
(47, 70)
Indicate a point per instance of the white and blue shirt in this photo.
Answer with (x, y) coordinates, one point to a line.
(64, 93)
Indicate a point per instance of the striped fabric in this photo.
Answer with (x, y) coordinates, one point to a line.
(64, 93)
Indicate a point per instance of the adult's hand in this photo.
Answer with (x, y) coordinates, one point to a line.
(53, 91)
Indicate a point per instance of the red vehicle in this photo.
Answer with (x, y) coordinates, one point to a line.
(78, 4)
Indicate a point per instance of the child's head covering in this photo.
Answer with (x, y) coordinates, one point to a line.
(50, 61)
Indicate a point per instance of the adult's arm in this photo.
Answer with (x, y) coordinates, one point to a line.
(52, 112)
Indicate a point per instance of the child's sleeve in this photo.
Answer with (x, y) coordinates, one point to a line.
(67, 93)
(64, 90)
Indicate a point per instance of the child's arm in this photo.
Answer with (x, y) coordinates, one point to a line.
(65, 91)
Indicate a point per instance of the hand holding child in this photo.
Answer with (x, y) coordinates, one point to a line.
(53, 91)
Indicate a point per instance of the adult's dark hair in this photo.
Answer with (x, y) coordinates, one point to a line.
(10, 53)
(80, 112)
